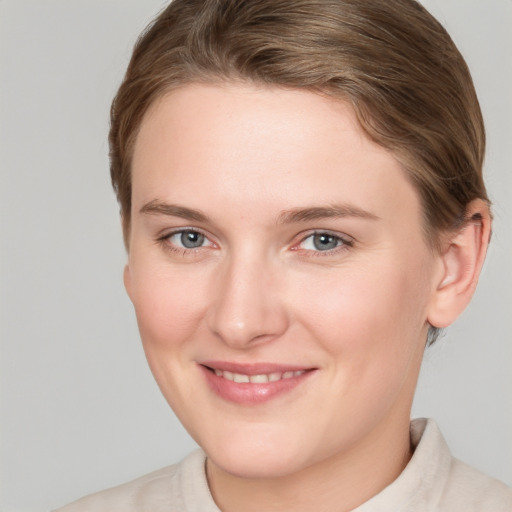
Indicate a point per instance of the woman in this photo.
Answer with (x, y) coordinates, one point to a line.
(303, 208)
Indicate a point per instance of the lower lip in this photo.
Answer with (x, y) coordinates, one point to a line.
(251, 394)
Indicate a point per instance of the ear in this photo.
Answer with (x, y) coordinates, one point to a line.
(461, 259)
(127, 279)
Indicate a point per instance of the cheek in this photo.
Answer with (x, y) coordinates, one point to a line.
(375, 311)
(168, 304)
(169, 307)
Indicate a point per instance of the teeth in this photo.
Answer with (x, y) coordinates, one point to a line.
(258, 379)
(238, 377)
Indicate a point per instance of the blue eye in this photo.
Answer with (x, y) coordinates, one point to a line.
(188, 239)
(322, 242)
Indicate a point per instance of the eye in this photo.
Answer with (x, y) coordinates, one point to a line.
(323, 242)
(188, 239)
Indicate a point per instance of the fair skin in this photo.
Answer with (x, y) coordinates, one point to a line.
(270, 235)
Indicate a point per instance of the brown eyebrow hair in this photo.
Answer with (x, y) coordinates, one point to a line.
(156, 207)
(322, 212)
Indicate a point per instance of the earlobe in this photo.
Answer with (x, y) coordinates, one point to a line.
(461, 260)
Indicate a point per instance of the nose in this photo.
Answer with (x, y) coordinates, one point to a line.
(247, 307)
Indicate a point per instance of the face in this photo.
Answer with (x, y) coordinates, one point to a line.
(279, 275)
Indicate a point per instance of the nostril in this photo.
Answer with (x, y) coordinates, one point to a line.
(244, 311)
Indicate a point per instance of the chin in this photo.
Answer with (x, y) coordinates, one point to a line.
(256, 465)
(260, 455)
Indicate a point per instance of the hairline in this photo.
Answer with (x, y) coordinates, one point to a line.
(431, 235)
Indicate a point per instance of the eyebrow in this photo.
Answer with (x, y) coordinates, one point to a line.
(295, 215)
(156, 207)
(324, 212)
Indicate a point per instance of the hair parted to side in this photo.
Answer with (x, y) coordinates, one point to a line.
(390, 59)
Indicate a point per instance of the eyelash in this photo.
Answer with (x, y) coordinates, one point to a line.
(344, 242)
(164, 241)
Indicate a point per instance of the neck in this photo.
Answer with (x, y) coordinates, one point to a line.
(339, 483)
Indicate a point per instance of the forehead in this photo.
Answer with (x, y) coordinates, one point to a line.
(216, 116)
(234, 144)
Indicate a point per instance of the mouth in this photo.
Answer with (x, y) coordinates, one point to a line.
(255, 383)
(260, 378)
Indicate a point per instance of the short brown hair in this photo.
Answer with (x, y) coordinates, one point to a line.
(390, 59)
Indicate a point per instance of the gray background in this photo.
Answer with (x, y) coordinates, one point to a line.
(79, 408)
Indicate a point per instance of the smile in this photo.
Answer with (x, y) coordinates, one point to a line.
(255, 383)
(261, 378)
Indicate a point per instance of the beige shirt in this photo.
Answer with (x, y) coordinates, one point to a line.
(432, 481)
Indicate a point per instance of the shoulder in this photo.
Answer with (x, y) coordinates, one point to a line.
(148, 490)
(156, 491)
(436, 481)
(449, 483)
(472, 491)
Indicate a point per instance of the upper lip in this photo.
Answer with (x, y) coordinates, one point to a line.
(254, 368)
